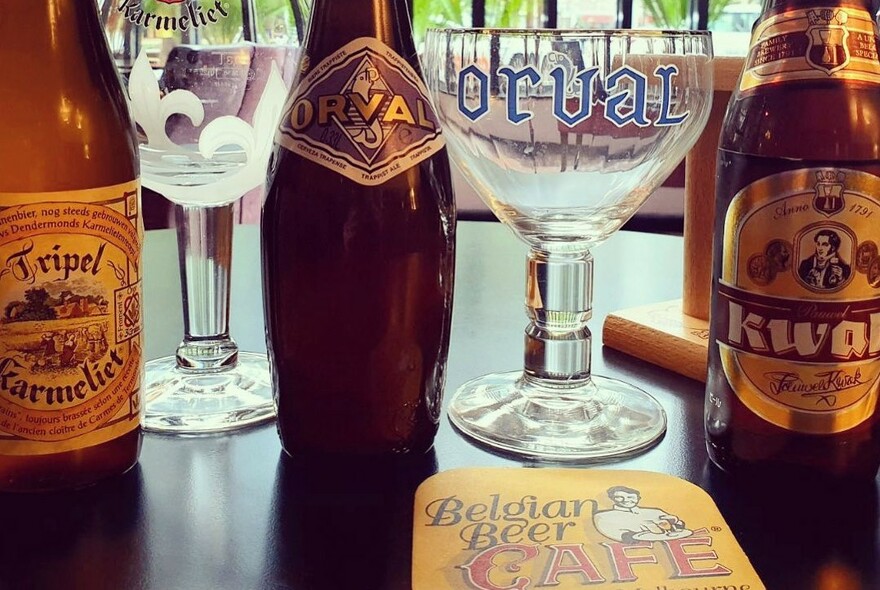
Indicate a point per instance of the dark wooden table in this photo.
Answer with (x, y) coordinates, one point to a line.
(229, 512)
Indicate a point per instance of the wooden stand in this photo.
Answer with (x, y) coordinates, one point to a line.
(675, 334)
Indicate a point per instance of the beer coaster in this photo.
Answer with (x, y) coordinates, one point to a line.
(516, 529)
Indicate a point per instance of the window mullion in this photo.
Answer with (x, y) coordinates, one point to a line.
(478, 13)
(624, 14)
(699, 10)
(248, 21)
(551, 9)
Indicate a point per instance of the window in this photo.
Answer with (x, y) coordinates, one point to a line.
(729, 20)
(731, 26)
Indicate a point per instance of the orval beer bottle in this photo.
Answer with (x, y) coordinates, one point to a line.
(71, 356)
(358, 241)
(795, 335)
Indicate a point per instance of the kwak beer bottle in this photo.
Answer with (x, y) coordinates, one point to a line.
(358, 241)
(71, 356)
(794, 357)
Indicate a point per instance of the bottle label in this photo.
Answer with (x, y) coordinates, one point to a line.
(71, 355)
(837, 43)
(363, 112)
(798, 308)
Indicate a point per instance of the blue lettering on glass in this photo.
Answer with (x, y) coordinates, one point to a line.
(483, 82)
(586, 99)
(514, 115)
(638, 99)
(628, 106)
(666, 119)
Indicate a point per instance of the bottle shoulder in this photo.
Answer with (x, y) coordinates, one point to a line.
(337, 23)
(66, 136)
(805, 121)
(64, 115)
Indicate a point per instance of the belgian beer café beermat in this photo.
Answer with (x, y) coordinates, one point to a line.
(521, 529)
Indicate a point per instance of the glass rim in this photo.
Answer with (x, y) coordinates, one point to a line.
(597, 33)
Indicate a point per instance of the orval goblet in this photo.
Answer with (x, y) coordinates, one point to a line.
(564, 134)
(207, 82)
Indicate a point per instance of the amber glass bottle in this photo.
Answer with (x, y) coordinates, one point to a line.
(795, 336)
(70, 248)
(358, 241)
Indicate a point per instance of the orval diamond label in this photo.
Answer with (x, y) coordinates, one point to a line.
(363, 112)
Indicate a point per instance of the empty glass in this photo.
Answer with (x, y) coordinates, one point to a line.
(564, 134)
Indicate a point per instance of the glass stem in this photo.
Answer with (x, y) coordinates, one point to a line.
(204, 244)
(559, 302)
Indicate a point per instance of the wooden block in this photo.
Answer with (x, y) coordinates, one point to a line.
(699, 215)
(726, 72)
(661, 334)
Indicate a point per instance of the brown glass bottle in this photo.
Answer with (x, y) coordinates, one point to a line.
(358, 241)
(68, 172)
(792, 383)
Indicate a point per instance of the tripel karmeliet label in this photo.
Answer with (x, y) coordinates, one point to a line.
(363, 112)
(71, 355)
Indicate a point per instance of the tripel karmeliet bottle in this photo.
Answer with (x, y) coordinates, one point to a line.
(71, 354)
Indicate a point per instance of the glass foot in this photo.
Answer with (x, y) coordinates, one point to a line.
(187, 402)
(588, 421)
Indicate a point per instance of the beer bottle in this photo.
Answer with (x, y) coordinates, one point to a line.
(71, 355)
(795, 335)
(358, 241)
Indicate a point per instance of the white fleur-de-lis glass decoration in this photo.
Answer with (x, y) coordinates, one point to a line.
(207, 104)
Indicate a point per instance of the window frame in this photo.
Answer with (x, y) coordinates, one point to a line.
(699, 13)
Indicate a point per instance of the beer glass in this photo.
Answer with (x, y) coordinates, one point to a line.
(564, 134)
(207, 83)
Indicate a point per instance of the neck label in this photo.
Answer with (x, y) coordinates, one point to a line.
(837, 43)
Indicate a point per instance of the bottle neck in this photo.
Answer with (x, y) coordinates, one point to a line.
(49, 33)
(336, 22)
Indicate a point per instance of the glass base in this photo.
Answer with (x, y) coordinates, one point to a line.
(587, 421)
(198, 402)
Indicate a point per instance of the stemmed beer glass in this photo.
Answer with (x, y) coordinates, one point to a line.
(564, 134)
(207, 83)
